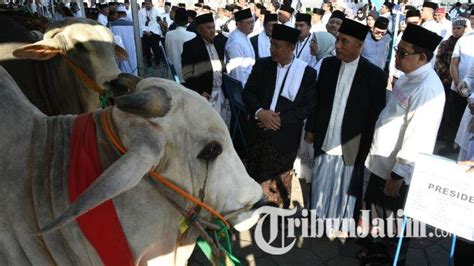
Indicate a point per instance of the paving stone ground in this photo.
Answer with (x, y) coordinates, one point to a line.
(431, 251)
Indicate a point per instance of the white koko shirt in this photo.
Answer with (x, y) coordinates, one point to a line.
(408, 125)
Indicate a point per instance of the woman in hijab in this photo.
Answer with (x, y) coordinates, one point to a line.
(361, 15)
(322, 45)
(371, 17)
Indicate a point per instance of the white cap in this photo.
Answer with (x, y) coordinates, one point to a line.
(121, 8)
(213, 5)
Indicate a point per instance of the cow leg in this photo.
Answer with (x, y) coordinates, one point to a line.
(146, 50)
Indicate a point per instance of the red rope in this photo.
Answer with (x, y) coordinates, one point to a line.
(91, 84)
(105, 120)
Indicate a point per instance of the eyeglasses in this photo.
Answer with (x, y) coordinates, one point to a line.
(402, 53)
(379, 32)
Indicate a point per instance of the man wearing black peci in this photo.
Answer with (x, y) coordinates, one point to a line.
(279, 95)
(349, 99)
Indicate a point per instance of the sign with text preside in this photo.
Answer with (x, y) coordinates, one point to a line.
(441, 194)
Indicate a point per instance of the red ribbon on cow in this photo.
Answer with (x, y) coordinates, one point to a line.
(100, 225)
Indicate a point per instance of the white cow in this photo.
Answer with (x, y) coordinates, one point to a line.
(162, 125)
(49, 82)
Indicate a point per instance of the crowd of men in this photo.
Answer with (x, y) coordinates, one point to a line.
(329, 92)
(315, 89)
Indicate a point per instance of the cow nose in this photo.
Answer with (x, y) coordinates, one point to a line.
(123, 84)
(262, 202)
(116, 87)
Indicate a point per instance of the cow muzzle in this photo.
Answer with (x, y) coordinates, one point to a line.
(245, 218)
(123, 84)
(262, 202)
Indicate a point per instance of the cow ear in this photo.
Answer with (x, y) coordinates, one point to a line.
(149, 103)
(120, 53)
(42, 50)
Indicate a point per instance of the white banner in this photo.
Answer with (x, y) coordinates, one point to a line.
(442, 195)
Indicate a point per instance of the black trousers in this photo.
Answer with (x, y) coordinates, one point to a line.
(463, 253)
(151, 42)
(453, 111)
(384, 248)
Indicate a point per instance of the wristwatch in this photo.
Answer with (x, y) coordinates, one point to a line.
(256, 114)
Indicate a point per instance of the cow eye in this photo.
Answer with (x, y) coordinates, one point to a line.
(80, 47)
(210, 152)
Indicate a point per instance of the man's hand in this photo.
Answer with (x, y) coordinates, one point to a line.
(308, 137)
(471, 107)
(390, 82)
(206, 95)
(461, 88)
(468, 163)
(392, 187)
(460, 85)
(470, 127)
(269, 119)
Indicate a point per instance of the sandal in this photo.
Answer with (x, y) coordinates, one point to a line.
(375, 254)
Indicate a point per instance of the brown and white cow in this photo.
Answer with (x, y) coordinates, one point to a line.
(162, 125)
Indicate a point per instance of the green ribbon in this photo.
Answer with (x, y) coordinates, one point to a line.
(223, 243)
(105, 99)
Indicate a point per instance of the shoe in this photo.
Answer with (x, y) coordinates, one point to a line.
(342, 236)
(377, 256)
(449, 149)
(443, 138)
(331, 234)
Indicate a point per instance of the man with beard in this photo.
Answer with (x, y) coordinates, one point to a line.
(445, 25)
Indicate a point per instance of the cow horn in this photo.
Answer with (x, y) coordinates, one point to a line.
(151, 102)
(123, 84)
(121, 176)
